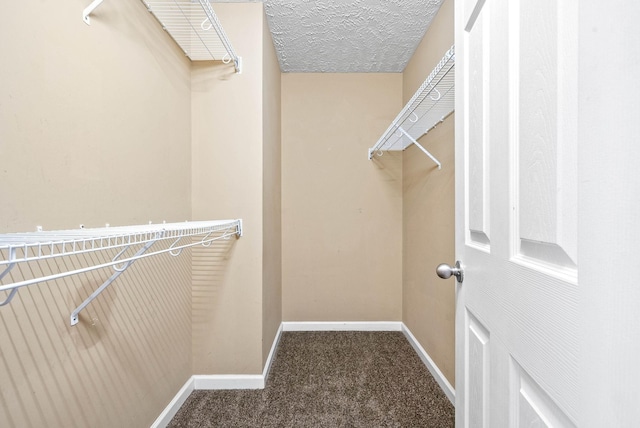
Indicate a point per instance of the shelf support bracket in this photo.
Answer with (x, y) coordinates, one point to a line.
(89, 10)
(11, 265)
(141, 251)
(426, 152)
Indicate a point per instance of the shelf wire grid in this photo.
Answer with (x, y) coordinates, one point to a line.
(17, 248)
(431, 104)
(195, 28)
(33, 246)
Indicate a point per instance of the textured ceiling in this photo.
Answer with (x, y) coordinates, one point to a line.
(340, 36)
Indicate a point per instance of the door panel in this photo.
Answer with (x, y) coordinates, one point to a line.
(530, 405)
(516, 313)
(543, 120)
(477, 125)
(477, 362)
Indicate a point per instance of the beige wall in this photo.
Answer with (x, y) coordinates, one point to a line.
(94, 129)
(90, 116)
(235, 153)
(428, 213)
(272, 221)
(341, 213)
(110, 123)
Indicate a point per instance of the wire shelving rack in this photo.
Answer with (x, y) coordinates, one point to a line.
(432, 103)
(192, 24)
(196, 29)
(16, 248)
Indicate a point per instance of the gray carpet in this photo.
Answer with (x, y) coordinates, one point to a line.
(330, 379)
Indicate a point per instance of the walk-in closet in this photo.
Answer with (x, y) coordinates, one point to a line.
(180, 190)
(230, 213)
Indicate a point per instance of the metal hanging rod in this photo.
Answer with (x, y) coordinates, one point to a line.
(33, 246)
(196, 29)
(433, 102)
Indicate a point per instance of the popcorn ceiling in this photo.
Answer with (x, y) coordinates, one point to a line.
(338, 36)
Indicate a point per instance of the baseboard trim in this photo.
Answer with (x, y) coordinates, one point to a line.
(258, 381)
(272, 353)
(342, 326)
(240, 381)
(217, 382)
(228, 381)
(446, 387)
(174, 405)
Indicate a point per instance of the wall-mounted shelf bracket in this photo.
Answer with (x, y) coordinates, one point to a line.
(238, 63)
(89, 10)
(116, 274)
(426, 152)
(239, 229)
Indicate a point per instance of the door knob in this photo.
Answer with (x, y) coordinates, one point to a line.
(445, 271)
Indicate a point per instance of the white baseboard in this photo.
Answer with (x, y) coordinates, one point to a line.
(228, 381)
(240, 381)
(433, 368)
(272, 353)
(172, 408)
(217, 382)
(258, 381)
(342, 326)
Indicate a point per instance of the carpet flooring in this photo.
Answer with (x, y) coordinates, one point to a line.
(330, 379)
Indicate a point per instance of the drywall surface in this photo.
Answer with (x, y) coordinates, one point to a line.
(227, 171)
(94, 129)
(271, 194)
(341, 213)
(428, 213)
(90, 117)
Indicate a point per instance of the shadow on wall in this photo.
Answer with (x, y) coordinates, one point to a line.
(390, 163)
(204, 74)
(209, 267)
(118, 365)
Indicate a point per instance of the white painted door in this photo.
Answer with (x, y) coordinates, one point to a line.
(516, 207)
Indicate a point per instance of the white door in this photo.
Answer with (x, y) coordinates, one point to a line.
(548, 213)
(516, 206)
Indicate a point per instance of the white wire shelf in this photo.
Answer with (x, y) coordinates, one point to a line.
(432, 103)
(17, 248)
(196, 29)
